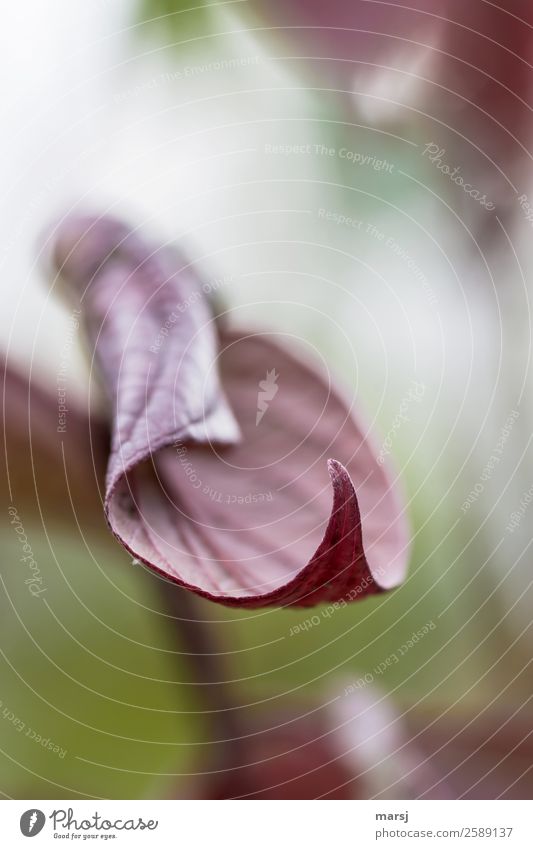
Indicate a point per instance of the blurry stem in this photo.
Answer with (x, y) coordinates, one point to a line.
(197, 639)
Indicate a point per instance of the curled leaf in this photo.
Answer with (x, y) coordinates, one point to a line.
(221, 446)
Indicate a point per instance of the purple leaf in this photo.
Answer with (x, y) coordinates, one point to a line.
(218, 472)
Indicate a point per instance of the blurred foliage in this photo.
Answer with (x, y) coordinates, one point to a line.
(173, 20)
(91, 665)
